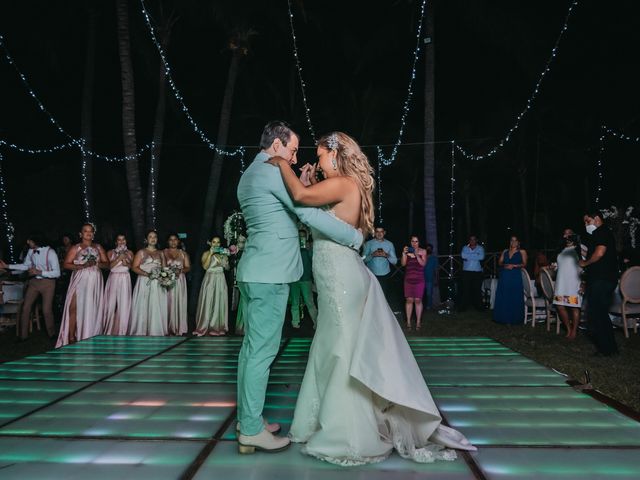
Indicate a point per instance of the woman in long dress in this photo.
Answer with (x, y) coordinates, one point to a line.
(149, 312)
(82, 313)
(177, 299)
(567, 295)
(413, 259)
(509, 303)
(212, 316)
(117, 293)
(362, 394)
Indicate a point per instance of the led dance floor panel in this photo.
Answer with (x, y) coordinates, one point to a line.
(146, 407)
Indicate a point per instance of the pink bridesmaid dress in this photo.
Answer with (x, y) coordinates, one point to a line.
(85, 287)
(149, 305)
(117, 299)
(177, 301)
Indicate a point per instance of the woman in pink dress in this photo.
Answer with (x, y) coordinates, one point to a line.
(117, 293)
(414, 259)
(149, 313)
(82, 314)
(177, 296)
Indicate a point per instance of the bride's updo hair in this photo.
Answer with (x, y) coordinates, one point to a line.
(353, 163)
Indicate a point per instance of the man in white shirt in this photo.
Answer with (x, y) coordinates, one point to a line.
(43, 267)
(472, 256)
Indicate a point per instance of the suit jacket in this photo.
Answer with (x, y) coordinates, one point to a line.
(272, 251)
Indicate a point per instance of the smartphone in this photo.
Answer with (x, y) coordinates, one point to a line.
(411, 250)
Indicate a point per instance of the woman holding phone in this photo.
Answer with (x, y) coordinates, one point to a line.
(414, 259)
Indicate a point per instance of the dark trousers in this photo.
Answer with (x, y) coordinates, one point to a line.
(599, 294)
(471, 290)
(389, 288)
(45, 287)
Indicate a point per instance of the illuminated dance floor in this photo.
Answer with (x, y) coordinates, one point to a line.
(164, 408)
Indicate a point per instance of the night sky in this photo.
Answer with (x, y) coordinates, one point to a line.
(356, 57)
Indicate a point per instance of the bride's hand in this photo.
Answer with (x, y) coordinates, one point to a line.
(305, 174)
(312, 173)
(276, 161)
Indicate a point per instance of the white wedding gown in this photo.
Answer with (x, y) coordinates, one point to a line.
(363, 394)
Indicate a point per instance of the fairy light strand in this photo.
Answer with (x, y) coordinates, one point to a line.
(604, 132)
(239, 151)
(407, 103)
(303, 86)
(8, 226)
(531, 99)
(379, 181)
(452, 224)
(152, 173)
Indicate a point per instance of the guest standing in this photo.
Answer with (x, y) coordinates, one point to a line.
(43, 267)
(178, 259)
(602, 276)
(213, 302)
(117, 293)
(379, 254)
(472, 256)
(149, 312)
(509, 302)
(567, 296)
(82, 314)
(414, 259)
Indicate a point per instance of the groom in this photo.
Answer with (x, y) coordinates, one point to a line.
(271, 260)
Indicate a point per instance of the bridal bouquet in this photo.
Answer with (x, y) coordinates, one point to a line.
(166, 277)
(122, 249)
(90, 255)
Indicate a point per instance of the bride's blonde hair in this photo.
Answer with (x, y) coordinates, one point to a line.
(353, 163)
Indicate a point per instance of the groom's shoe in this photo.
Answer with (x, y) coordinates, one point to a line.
(269, 427)
(264, 442)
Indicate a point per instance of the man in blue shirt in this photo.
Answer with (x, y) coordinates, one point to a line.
(380, 254)
(472, 256)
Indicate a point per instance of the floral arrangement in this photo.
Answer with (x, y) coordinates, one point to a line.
(624, 225)
(235, 231)
(90, 254)
(122, 249)
(166, 277)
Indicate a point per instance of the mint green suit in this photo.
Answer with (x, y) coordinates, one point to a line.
(271, 260)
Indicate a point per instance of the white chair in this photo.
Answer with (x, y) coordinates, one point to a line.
(548, 287)
(532, 304)
(11, 294)
(630, 291)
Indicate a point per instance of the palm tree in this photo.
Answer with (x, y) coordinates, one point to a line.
(238, 45)
(136, 202)
(86, 115)
(167, 21)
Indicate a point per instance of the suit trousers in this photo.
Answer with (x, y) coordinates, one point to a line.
(471, 290)
(38, 286)
(266, 305)
(599, 295)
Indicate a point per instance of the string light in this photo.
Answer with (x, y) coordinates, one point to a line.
(531, 99)
(176, 92)
(452, 207)
(307, 112)
(604, 131)
(379, 181)
(8, 226)
(152, 173)
(407, 102)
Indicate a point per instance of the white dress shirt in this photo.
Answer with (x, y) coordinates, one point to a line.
(44, 259)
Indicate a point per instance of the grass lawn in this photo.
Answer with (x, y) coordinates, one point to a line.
(617, 377)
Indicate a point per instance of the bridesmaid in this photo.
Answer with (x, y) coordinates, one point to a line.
(177, 296)
(117, 293)
(213, 302)
(149, 313)
(82, 313)
(509, 304)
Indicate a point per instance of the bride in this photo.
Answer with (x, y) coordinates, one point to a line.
(362, 394)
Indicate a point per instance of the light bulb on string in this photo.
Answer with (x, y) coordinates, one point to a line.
(8, 226)
(530, 101)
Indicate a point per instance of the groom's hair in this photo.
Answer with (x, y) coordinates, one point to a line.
(276, 129)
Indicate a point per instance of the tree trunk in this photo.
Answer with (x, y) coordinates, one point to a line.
(216, 170)
(158, 132)
(430, 223)
(86, 114)
(136, 202)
